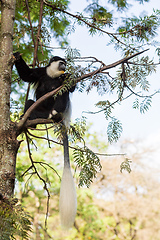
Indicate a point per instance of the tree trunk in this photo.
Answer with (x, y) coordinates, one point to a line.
(8, 142)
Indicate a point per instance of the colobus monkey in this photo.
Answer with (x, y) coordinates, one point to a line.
(46, 79)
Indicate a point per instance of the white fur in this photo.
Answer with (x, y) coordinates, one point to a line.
(53, 113)
(53, 70)
(68, 199)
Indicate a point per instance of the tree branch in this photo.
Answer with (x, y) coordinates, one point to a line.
(115, 64)
(44, 182)
(87, 23)
(38, 33)
(37, 38)
(75, 148)
(30, 22)
(22, 122)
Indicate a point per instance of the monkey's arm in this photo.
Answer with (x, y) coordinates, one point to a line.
(27, 74)
(72, 89)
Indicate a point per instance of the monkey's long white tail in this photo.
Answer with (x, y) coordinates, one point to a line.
(68, 199)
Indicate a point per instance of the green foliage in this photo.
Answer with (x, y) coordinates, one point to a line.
(78, 129)
(88, 162)
(140, 28)
(114, 130)
(158, 52)
(92, 226)
(53, 22)
(100, 16)
(14, 221)
(106, 106)
(136, 104)
(125, 165)
(144, 105)
(120, 4)
(142, 1)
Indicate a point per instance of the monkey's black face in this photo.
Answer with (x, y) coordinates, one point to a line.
(62, 66)
(56, 67)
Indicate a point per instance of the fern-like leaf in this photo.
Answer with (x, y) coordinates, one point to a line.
(89, 163)
(114, 130)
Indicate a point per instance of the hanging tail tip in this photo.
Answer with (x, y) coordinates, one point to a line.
(68, 199)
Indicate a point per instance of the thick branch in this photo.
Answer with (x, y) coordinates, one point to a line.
(115, 64)
(30, 123)
(34, 106)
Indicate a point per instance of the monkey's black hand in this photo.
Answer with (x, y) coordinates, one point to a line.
(17, 56)
(67, 75)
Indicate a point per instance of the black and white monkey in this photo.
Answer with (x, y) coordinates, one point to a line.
(46, 79)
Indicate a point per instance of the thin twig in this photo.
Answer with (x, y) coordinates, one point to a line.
(87, 23)
(44, 182)
(143, 64)
(141, 96)
(37, 38)
(26, 171)
(75, 148)
(30, 22)
(43, 163)
(34, 43)
(38, 33)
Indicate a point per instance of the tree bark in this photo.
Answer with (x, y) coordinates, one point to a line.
(8, 139)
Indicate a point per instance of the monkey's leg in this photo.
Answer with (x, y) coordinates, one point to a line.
(39, 112)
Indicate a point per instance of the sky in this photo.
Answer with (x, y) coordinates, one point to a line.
(135, 125)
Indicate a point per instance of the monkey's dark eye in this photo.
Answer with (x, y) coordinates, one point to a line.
(62, 63)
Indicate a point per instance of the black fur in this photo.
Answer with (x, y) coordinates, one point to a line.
(44, 84)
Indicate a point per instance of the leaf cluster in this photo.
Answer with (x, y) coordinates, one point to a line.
(121, 5)
(140, 28)
(14, 221)
(89, 165)
(114, 130)
(144, 105)
(99, 15)
(54, 24)
(125, 165)
(78, 129)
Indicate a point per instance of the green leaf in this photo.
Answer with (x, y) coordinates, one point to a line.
(145, 104)
(125, 165)
(89, 163)
(114, 130)
(136, 104)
